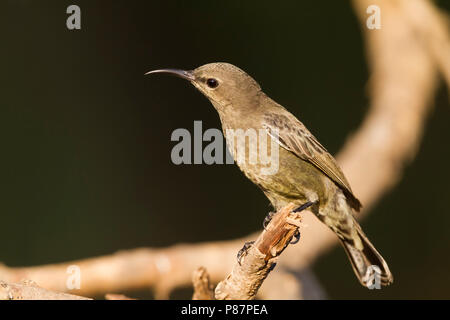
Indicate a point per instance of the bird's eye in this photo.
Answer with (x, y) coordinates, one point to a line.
(212, 83)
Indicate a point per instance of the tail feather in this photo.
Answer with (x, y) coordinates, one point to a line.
(367, 263)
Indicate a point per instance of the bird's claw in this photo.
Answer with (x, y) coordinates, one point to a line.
(244, 250)
(295, 238)
(267, 219)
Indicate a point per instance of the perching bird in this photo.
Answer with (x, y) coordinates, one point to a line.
(306, 173)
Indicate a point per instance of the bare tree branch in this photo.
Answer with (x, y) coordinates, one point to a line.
(249, 273)
(203, 289)
(28, 290)
(116, 296)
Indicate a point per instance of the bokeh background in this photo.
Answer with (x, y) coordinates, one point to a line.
(85, 138)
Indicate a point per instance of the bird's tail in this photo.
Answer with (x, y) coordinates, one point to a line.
(368, 265)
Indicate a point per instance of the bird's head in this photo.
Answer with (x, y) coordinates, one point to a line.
(224, 84)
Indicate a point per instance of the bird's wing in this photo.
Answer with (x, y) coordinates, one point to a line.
(292, 135)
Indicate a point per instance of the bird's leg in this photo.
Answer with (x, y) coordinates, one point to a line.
(267, 219)
(296, 237)
(305, 206)
(244, 250)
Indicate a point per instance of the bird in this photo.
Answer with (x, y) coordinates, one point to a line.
(307, 174)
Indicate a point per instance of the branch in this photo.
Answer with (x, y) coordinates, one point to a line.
(203, 289)
(402, 83)
(161, 269)
(116, 296)
(248, 275)
(29, 290)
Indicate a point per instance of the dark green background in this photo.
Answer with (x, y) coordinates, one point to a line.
(85, 138)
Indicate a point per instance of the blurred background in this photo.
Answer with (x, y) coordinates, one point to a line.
(85, 138)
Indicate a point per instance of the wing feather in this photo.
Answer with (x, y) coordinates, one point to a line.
(292, 135)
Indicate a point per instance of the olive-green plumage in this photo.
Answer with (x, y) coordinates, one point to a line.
(306, 171)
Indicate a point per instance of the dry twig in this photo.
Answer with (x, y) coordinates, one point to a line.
(29, 290)
(249, 273)
(203, 289)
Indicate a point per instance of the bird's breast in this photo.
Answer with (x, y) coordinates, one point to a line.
(281, 175)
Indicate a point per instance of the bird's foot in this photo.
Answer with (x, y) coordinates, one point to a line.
(267, 219)
(295, 221)
(295, 238)
(244, 250)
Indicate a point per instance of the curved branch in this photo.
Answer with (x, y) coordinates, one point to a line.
(255, 264)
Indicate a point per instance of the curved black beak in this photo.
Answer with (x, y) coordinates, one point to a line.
(188, 75)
